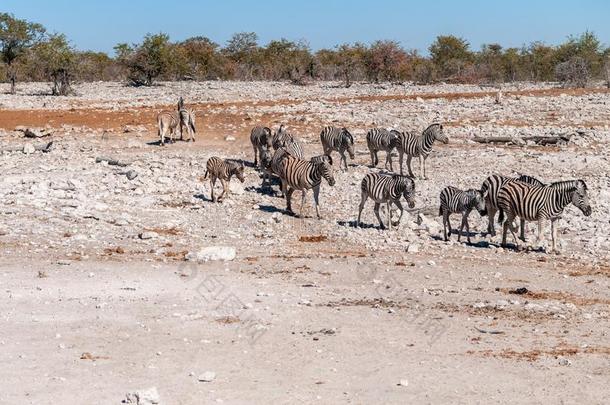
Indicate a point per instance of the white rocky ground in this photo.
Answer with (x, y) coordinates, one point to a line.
(93, 255)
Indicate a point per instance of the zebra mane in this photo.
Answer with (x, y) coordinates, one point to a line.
(569, 185)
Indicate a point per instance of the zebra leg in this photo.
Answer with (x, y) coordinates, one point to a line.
(344, 160)
(288, 195)
(376, 209)
(522, 229)
(504, 232)
(491, 213)
(445, 222)
(316, 200)
(372, 152)
(212, 183)
(363, 198)
(462, 225)
(224, 189)
(399, 205)
(540, 238)
(388, 160)
(554, 237)
(303, 195)
(509, 220)
(389, 215)
(255, 155)
(422, 167)
(467, 227)
(400, 156)
(409, 157)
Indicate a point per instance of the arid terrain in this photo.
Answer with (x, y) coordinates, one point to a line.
(104, 290)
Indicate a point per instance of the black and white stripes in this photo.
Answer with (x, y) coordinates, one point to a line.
(540, 203)
(386, 189)
(261, 138)
(223, 170)
(340, 140)
(380, 139)
(299, 174)
(419, 146)
(453, 201)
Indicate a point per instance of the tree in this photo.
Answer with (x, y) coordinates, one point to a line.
(16, 37)
(243, 50)
(384, 59)
(56, 59)
(147, 61)
(450, 54)
(202, 58)
(491, 62)
(350, 58)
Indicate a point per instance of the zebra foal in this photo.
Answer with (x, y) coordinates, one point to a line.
(223, 170)
(419, 146)
(454, 201)
(540, 203)
(386, 189)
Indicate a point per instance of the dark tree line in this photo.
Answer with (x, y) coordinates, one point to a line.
(29, 53)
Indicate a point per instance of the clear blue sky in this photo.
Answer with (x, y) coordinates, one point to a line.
(99, 25)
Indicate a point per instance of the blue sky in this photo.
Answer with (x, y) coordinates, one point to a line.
(99, 25)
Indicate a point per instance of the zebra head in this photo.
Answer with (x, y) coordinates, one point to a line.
(580, 198)
(408, 189)
(237, 170)
(348, 140)
(479, 200)
(268, 137)
(326, 170)
(436, 130)
(394, 138)
(266, 158)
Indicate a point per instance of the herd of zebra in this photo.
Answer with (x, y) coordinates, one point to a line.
(280, 154)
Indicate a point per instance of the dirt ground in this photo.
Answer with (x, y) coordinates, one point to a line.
(99, 300)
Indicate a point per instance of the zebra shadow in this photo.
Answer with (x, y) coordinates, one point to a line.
(265, 190)
(203, 197)
(482, 244)
(354, 224)
(272, 208)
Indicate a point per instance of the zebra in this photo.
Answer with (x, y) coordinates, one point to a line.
(280, 137)
(388, 189)
(453, 201)
(168, 121)
(381, 139)
(419, 146)
(491, 186)
(223, 170)
(261, 138)
(338, 139)
(294, 147)
(299, 174)
(540, 203)
(322, 158)
(273, 164)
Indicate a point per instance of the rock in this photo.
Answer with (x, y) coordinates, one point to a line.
(431, 263)
(28, 148)
(564, 362)
(229, 138)
(404, 383)
(212, 253)
(132, 174)
(36, 132)
(149, 396)
(208, 376)
(413, 248)
(148, 235)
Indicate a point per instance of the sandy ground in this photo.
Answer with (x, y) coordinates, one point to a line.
(309, 311)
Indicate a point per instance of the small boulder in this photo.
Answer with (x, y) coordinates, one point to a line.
(149, 396)
(208, 376)
(212, 253)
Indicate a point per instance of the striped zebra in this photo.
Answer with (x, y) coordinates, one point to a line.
(540, 203)
(419, 146)
(293, 148)
(299, 174)
(223, 170)
(169, 121)
(386, 189)
(280, 137)
(261, 138)
(337, 139)
(381, 139)
(454, 201)
(491, 186)
(322, 158)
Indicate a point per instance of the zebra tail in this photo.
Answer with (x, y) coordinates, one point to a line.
(440, 211)
(205, 176)
(501, 217)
